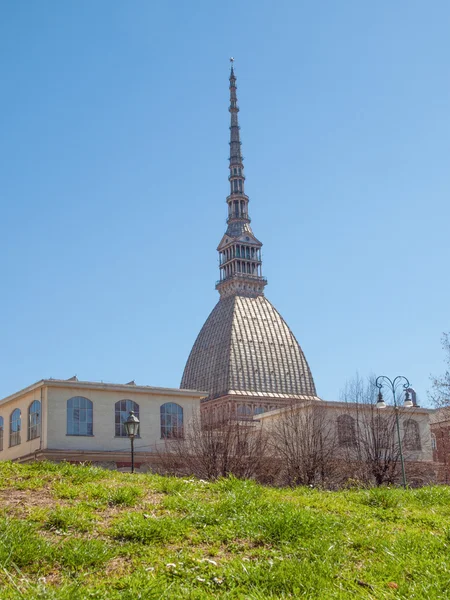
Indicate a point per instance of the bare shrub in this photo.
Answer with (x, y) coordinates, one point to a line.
(440, 385)
(303, 443)
(210, 449)
(372, 453)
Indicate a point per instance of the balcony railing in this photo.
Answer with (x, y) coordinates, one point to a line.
(255, 259)
(235, 217)
(243, 276)
(235, 193)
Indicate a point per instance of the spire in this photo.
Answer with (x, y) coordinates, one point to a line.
(239, 250)
(235, 142)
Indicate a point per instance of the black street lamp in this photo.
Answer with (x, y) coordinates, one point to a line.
(132, 429)
(398, 382)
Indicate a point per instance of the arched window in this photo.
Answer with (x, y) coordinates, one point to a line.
(122, 411)
(34, 420)
(382, 431)
(1, 433)
(244, 410)
(412, 435)
(171, 420)
(433, 442)
(346, 431)
(14, 428)
(79, 416)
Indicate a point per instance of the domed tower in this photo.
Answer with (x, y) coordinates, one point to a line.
(245, 355)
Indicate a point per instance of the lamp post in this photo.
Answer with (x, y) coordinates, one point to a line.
(399, 381)
(132, 429)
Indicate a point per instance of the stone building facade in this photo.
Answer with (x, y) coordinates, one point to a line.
(440, 441)
(82, 421)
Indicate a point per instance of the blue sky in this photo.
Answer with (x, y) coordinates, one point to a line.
(113, 178)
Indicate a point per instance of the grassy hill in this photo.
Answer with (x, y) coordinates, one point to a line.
(81, 532)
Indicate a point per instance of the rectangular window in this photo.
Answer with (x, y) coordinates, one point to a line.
(14, 438)
(79, 416)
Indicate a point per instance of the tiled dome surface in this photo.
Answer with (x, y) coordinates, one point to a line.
(246, 346)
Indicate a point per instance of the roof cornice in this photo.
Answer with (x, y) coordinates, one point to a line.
(113, 387)
(332, 404)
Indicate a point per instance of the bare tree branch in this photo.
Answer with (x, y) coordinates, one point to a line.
(303, 441)
(211, 450)
(374, 452)
(440, 386)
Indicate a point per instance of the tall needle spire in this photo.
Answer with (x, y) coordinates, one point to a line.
(239, 250)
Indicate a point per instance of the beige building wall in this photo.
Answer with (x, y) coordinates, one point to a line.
(104, 400)
(22, 402)
(332, 410)
(54, 394)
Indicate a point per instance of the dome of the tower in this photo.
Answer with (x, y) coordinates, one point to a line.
(246, 347)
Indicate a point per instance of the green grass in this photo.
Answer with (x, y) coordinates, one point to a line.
(75, 532)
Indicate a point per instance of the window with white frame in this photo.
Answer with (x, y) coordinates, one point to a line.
(14, 427)
(34, 420)
(171, 420)
(79, 416)
(121, 413)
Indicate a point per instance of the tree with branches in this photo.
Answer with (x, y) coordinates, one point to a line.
(211, 449)
(303, 443)
(440, 385)
(370, 446)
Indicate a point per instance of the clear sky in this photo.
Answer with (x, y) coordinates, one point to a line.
(113, 177)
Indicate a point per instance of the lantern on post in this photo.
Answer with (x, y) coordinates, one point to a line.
(131, 426)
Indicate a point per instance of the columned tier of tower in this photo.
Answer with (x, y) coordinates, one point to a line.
(238, 206)
(240, 260)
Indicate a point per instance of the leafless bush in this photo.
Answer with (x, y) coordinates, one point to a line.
(440, 390)
(303, 443)
(368, 437)
(210, 450)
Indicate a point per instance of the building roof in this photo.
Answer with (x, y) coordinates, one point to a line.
(245, 346)
(440, 415)
(73, 382)
(343, 408)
